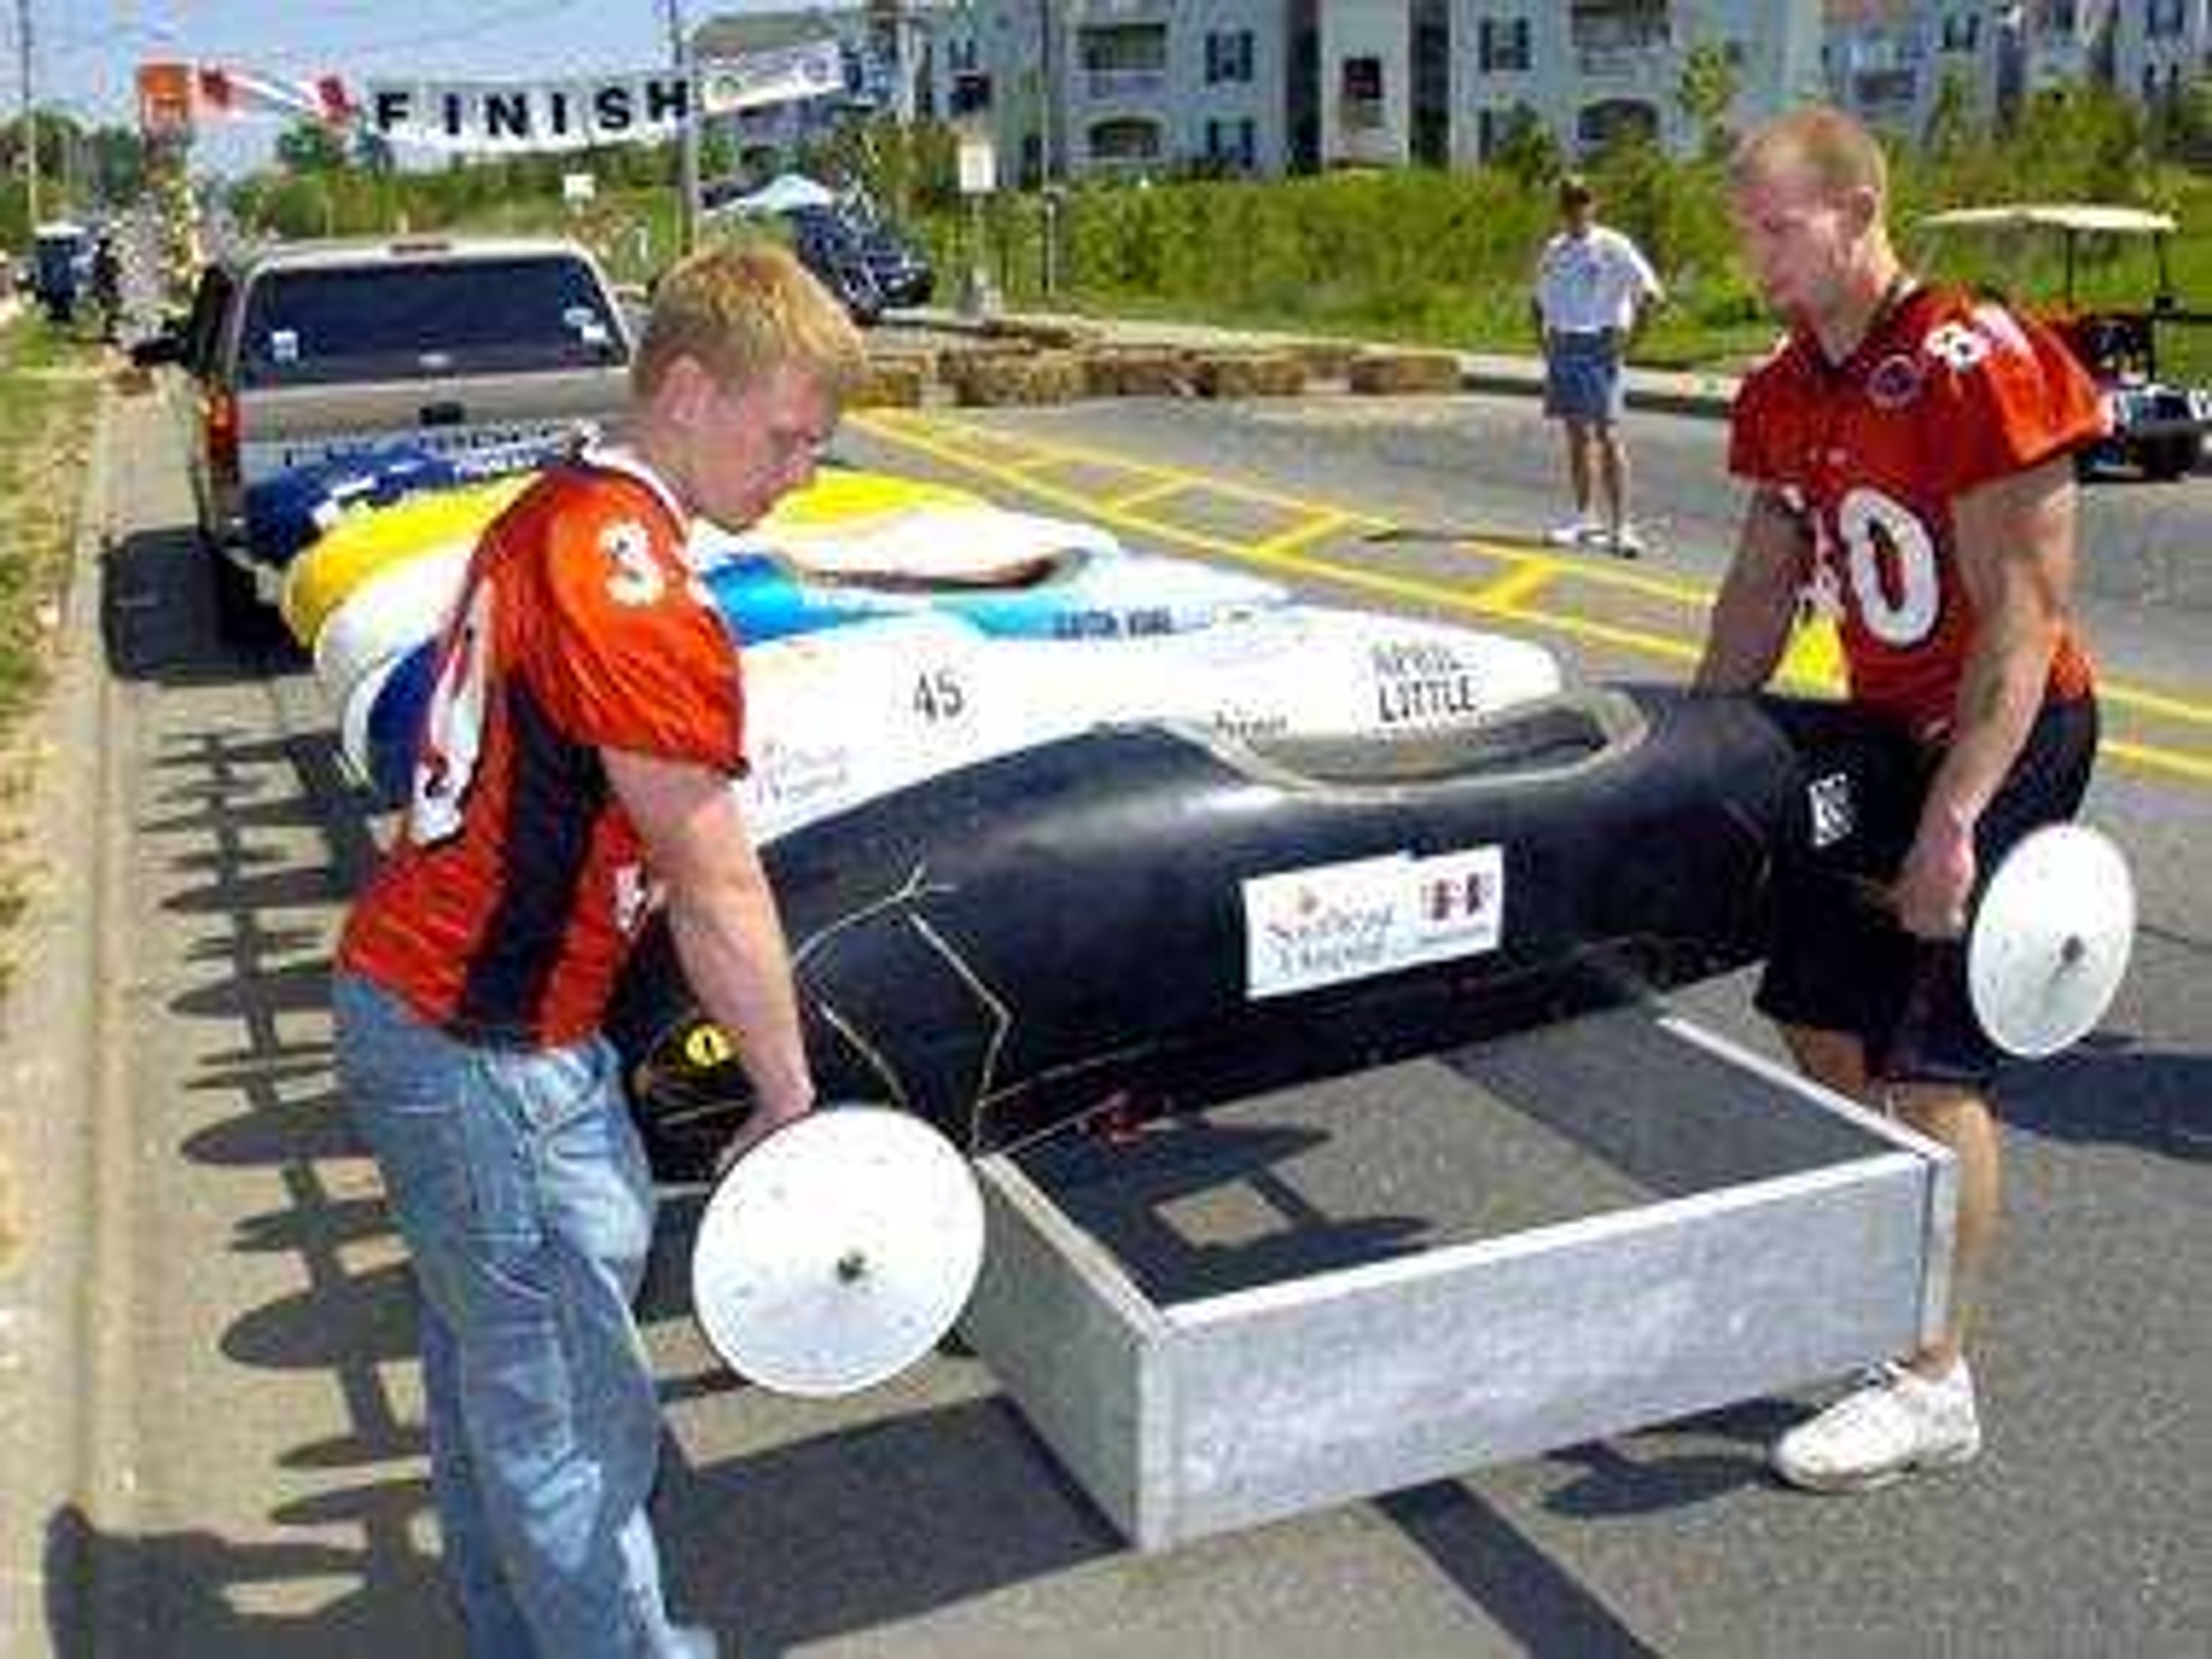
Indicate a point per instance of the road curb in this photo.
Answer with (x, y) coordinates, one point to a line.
(66, 1361)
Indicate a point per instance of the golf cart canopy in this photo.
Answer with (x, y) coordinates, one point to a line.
(2088, 218)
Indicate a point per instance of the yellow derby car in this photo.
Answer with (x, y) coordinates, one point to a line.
(842, 503)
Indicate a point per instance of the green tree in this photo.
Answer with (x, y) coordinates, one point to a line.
(311, 147)
(1527, 148)
(1706, 92)
(1953, 130)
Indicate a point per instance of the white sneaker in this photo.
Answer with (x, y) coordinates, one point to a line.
(1576, 532)
(1896, 1422)
(1625, 542)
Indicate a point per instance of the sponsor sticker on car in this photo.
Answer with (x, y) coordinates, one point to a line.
(1332, 923)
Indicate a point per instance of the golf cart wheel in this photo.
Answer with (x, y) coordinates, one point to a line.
(2173, 455)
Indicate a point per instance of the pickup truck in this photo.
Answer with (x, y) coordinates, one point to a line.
(476, 349)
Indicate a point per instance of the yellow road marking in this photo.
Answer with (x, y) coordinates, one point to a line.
(1810, 664)
(1158, 490)
(1298, 536)
(1507, 593)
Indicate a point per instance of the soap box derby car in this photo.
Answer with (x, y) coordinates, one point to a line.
(1157, 912)
(1147, 917)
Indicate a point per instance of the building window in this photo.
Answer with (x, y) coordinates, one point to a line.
(1125, 140)
(1503, 46)
(1613, 121)
(2165, 19)
(1228, 56)
(1233, 143)
(1962, 32)
(1360, 104)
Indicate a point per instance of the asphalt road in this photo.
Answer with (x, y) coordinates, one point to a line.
(218, 1447)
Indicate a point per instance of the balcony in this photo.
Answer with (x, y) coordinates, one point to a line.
(1123, 85)
(1620, 39)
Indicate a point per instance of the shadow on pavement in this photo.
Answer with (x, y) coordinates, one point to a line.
(2108, 1091)
(183, 1593)
(157, 615)
(1527, 1592)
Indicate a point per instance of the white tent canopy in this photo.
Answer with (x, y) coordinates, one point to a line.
(784, 194)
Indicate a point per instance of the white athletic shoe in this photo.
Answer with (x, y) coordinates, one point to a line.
(1896, 1422)
(1576, 532)
(1625, 542)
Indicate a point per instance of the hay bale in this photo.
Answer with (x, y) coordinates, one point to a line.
(1386, 372)
(1248, 373)
(1044, 378)
(1327, 360)
(890, 384)
(1135, 372)
(1064, 336)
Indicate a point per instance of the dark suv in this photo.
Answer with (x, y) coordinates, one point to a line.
(860, 258)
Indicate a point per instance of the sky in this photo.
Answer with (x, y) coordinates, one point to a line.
(85, 53)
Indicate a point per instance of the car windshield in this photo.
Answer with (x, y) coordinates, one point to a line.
(310, 327)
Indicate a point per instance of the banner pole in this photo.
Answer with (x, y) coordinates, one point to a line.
(687, 143)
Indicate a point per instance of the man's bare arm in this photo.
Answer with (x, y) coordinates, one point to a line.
(2016, 541)
(1757, 603)
(723, 918)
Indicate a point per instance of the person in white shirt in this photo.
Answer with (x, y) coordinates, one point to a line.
(1594, 287)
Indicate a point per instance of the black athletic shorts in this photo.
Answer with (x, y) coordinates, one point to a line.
(1838, 960)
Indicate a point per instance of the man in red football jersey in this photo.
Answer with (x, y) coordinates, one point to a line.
(575, 765)
(1910, 454)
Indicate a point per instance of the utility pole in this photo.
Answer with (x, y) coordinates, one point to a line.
(687, 186)
(30, 123)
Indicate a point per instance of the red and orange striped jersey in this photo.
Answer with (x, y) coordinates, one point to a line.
(1946, 393)
(505, 906)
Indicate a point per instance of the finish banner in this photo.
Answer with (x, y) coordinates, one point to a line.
(511, 116)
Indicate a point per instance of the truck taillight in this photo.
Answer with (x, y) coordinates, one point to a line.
(219, 421)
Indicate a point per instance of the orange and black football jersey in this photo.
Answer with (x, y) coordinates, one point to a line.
(1946, 393)
(504, 907)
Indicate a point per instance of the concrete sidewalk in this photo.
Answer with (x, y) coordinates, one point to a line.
(1671, 391)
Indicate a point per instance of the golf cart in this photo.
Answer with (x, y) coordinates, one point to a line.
(2158, 426)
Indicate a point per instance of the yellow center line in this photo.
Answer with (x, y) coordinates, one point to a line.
(929, 436)
(1298, 536)
(1508, 592)
(2176, 762)
(1158, 490)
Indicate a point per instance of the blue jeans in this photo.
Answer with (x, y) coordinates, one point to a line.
(517, 1179)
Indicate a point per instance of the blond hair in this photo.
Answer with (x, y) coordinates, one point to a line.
(1832, 148)
(742, 311)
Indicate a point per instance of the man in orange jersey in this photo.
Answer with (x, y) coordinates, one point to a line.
(1910, 454)
(575, 765)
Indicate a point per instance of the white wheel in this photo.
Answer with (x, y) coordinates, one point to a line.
(838, 1251)
(2051, 939)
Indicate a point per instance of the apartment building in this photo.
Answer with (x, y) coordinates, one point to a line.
(1891, 61)
(1077, 87)
(1593, 71)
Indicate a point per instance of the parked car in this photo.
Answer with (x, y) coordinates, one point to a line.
(860, 256)
(60, 250)
(304, 351)
(2158, 424)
